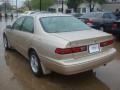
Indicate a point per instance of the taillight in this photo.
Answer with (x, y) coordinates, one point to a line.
(106, 43)
(70, 50)
(114, 26)
(89, 22)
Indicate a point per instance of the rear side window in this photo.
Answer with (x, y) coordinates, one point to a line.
(17, 25)
(109, 16)
(28, 25)
(106, 15)
(87, 15)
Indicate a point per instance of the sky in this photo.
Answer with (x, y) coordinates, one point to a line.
(13, 2)
(20, 2)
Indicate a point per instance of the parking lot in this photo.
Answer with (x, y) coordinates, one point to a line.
(15, 74)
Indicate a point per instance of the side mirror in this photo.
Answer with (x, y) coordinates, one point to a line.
(9, 27)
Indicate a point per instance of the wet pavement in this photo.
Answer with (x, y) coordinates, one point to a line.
(15, 74)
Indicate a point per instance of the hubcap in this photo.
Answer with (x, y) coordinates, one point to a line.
(5, 42)
(34, 63)
(101, 28)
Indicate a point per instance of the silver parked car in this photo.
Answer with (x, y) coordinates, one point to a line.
(59, 42)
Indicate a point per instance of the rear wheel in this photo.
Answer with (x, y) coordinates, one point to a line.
(5, 41)
(35, 64)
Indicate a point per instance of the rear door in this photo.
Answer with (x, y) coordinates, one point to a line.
(26, 35)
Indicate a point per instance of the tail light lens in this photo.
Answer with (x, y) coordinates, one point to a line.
(70, 50)
(106, 43)
(63, 51)
(89, 22)
(114, 26)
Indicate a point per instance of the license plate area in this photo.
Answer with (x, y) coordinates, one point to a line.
(94, 48)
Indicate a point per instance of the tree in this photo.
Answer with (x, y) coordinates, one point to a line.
(5, 6)
(74, 4)
(27, 3)
(45, 4)
(92, 3)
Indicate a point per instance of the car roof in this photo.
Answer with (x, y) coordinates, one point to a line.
(40, 15)
(92, 14)
(98, 12)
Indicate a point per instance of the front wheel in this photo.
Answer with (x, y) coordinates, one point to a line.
(35, 64)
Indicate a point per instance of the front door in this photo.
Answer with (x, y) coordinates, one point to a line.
(13, 34)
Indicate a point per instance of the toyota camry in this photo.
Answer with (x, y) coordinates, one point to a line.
(59, 43)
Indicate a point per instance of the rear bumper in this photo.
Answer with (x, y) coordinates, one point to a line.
(69, 67)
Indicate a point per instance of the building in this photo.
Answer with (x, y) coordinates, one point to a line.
(111, 5)
(84, 8)
(57, 7)
(60, 1)
(113, 1)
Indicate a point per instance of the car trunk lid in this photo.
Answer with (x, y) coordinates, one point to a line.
(86, 38)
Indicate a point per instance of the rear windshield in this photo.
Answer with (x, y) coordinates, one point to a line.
(62, 24)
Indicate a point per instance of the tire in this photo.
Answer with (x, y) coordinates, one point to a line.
(35, 64)
(6, 44)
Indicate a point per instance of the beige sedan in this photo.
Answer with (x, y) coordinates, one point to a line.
(58, 42)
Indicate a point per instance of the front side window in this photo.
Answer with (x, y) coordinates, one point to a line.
(28, 25)
(18, 23)
(62, 24)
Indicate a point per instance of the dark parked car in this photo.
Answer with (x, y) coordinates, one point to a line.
(99, 20)
(115, 30)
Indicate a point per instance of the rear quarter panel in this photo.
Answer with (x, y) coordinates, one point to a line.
(45, 46)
